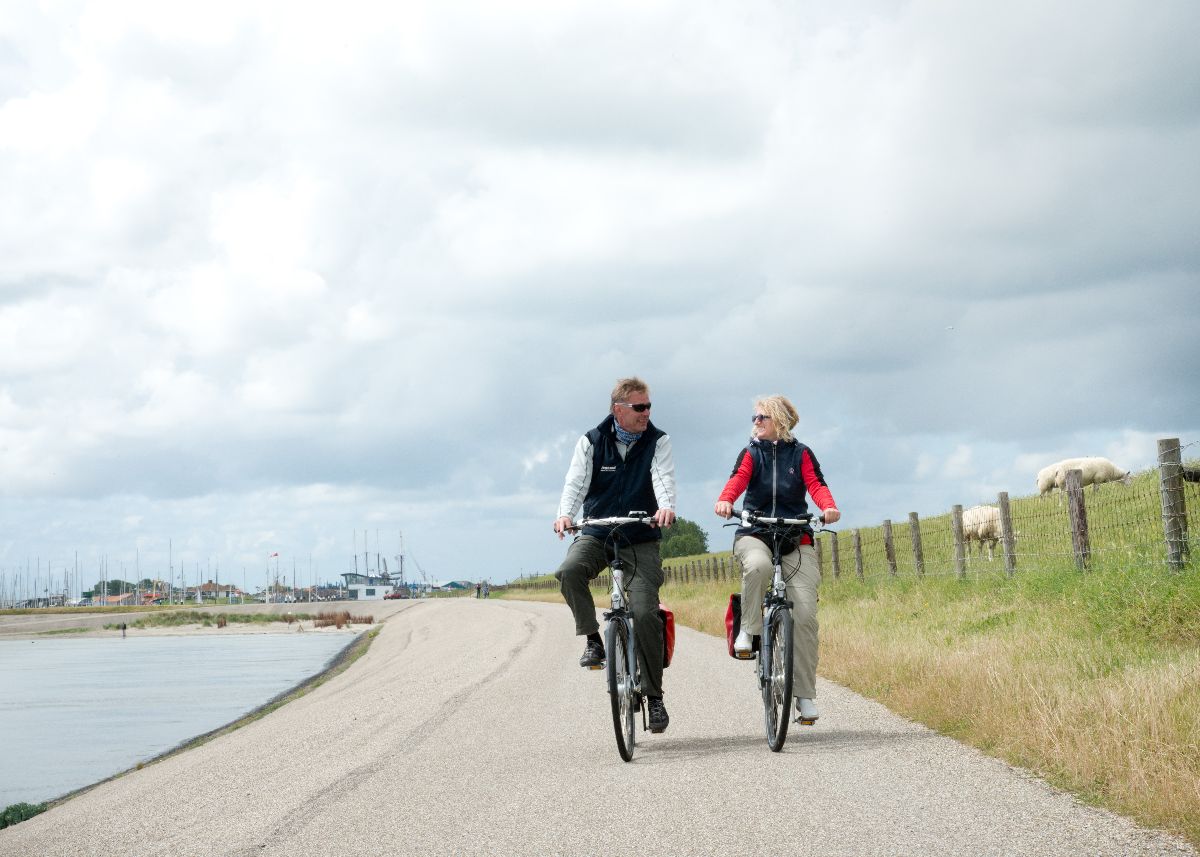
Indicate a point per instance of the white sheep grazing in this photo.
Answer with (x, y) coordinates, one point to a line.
(1046, 477)
(981, 524)
(1093, 471)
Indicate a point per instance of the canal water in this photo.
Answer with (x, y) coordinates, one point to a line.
(73, 712)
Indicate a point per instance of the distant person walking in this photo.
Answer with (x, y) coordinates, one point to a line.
(476, 590)
(622, 465)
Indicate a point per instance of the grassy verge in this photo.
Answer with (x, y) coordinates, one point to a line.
(46, 611)
(18, 812)
(1090, 680)
(199, 617)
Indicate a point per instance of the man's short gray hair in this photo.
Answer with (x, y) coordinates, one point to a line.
(626, 386)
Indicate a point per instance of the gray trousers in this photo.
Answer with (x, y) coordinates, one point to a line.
(642, 567)
(801, 578)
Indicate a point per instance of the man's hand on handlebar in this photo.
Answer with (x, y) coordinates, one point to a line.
(664, 518)
(562, 525)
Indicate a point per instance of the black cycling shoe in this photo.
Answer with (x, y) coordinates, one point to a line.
(658, 714)
(593, 655)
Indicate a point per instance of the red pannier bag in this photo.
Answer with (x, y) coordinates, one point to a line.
(668, 620)
(733, 623)
(733, 619)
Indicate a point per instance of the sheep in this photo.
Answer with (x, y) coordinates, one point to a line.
(1093, 470)
(982, 524)
(1045, 478)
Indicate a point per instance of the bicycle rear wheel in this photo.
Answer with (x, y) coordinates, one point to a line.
(777, 688)
(620, 685)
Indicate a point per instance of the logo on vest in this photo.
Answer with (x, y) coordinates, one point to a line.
(610, 468)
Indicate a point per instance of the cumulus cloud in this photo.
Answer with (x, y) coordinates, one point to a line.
(272, 275)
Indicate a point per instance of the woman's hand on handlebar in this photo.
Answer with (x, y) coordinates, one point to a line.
(831, 515)
(723, 508)
(562, 525)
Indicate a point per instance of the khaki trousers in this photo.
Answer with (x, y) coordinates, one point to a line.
(801, 578)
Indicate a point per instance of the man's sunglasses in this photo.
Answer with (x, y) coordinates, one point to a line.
(640, 408)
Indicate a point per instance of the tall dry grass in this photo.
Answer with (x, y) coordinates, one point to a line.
(1092, 681)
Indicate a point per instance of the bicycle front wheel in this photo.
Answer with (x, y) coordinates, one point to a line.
(777, 689)
(620, 685)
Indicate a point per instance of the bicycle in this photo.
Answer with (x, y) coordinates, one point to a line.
(620, 655)
(774, 667)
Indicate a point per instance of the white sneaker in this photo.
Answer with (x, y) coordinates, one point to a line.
(743, 645)
(806, 711)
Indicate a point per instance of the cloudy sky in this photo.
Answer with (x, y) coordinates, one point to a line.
(274, 276)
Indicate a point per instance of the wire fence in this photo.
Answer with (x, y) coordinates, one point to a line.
(1153, 520)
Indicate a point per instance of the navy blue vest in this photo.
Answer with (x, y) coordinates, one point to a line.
(777, 487)
(621, 485)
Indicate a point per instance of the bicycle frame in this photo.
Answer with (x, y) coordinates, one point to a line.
(621, 612)
(774, 599)
(624, 678)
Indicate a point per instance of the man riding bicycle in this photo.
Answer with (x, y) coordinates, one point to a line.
(622, 465)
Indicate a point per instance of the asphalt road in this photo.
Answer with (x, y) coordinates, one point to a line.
(469, 729)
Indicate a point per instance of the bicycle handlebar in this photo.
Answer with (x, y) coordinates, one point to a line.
(614, 521)
(747, 517)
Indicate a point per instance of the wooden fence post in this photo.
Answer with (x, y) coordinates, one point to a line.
(833, 550)
(1080, 544)
(820, 558)
(960, 559)
(1174, 515)
(914, 529)
(1006, 534)
(858, 560)
(889, 547)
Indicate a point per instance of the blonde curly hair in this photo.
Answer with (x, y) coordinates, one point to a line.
(781, 411)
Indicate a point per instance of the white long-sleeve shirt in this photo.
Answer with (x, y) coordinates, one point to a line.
(579, 476)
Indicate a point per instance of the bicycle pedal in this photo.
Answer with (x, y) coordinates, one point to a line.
(743, 656)
(598, 666)
(806, 721)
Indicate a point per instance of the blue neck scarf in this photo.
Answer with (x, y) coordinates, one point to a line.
(625, 437)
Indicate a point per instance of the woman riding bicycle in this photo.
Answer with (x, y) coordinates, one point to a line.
(776, 471)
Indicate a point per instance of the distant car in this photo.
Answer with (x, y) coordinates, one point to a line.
(396, 593)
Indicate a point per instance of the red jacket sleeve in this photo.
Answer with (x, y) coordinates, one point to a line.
(814, 481)
(743, 469)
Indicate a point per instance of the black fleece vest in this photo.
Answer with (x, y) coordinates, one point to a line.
(777, 487)
(621, 485)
